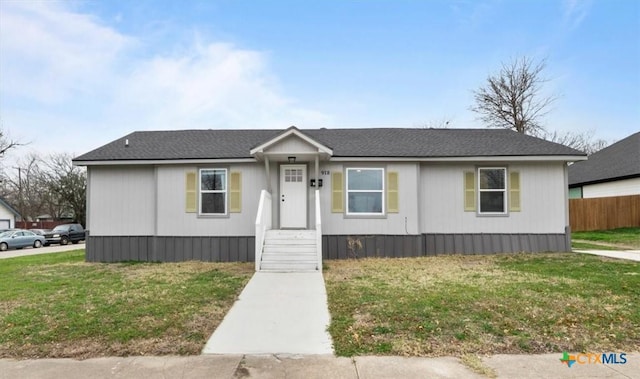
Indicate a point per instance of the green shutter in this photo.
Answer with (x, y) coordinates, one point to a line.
(336, 193)
(514, 191)
(191, 193)
(235, 192)
(469, 191)
(392, 192)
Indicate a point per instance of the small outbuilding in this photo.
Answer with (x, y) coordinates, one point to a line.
(8, 215)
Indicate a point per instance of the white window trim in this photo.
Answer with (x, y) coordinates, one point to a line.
(381, 191)
(505, 191)
(225, 191)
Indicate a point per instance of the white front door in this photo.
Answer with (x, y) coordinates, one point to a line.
(293, 196)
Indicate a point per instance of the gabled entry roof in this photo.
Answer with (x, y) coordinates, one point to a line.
(343, 143)
(292, 131)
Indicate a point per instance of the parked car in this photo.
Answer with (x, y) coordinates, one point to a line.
(65, 233)
(41, 232)
(17, 239)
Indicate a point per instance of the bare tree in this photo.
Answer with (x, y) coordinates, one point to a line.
(47, 185)
(583, 141)
(6, 143)
(23, 188)
(512, 98)
(67, 185)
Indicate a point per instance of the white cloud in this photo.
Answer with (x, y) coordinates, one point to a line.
(50, 54)
(575, 11)
(70, 78)
(214, 85)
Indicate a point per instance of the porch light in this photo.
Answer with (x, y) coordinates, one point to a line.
(292, 159)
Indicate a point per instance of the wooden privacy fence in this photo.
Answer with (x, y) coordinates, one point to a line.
(39, 224)
(603, 213)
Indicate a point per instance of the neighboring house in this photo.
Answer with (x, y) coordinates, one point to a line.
(612, 171)
(8, 215)
(244, 195)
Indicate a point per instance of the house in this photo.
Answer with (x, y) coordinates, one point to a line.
(278, 197)
(8, 215)
(612, 171)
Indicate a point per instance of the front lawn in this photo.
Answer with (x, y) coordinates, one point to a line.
(57, 305)
(458, 305)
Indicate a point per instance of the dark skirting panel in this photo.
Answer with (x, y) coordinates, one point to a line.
(170, 249)
(366, 246)
(493, 243)
(363, 246)
(242, 248)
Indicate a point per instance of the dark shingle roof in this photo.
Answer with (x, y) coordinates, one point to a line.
(618, 161)
(373, 142)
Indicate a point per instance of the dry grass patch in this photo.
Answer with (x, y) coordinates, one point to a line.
(458, 305)
(59, 306)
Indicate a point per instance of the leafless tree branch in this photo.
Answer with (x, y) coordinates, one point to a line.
(583, 141)
(512, 99)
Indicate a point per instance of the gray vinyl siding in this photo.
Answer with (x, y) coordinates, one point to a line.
(122, 201)
(402, 223)
(172, 219)
(542, 196)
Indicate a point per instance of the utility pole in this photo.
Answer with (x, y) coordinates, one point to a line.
(20, 201)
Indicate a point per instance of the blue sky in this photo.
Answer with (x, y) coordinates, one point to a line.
(75, 75)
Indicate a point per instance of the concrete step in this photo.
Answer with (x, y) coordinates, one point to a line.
(292, 241)
(289, 249)
(302, 257)
(288, 266)
(290, 234)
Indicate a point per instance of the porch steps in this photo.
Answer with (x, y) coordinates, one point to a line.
(289, 251)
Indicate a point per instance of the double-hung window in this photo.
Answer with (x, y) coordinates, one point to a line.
(213, 191)
(365, 191)
(492, 190)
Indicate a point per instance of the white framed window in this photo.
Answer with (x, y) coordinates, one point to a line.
(365, 191)
(492, 190)
(213, 191)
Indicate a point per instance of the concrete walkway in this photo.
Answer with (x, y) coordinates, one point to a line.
(276, 313)
(632, 255)
(309, 367)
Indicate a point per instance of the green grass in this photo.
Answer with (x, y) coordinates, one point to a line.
(56, 305)
(623, 236)
(459, 305)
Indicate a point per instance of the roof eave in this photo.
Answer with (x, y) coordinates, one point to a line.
(604, 180)
(141, 162)
(492, 158)
(473, 158)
